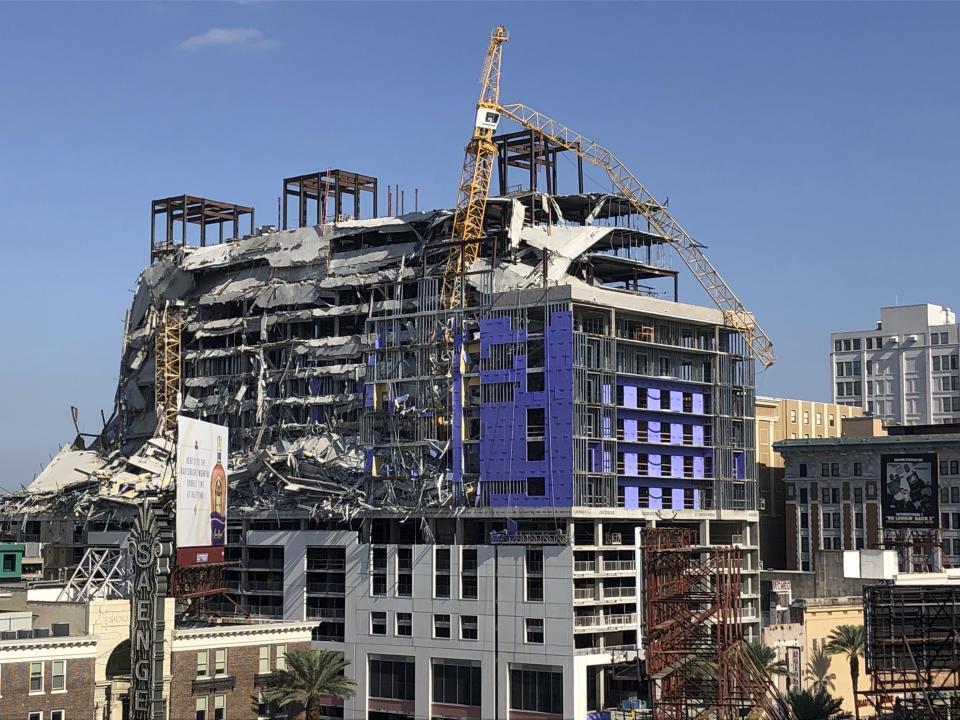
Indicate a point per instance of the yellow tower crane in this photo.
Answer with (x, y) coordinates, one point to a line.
(475, 184)
(475, 177)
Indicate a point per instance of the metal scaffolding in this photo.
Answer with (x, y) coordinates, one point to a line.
(693, 636)
(168, 368)
(913, 651)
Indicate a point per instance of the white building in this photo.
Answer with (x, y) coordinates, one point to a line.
(905, 369)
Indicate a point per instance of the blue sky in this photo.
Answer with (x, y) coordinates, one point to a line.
(813, 147)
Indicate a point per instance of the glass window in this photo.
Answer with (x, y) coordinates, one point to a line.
(201, 663)
(803, 469)
(955, 494)
(534, 573)
(803, 495)
(835, 469)
(441, 572)
(441, 626)
(201, 708)
(219, 707)
(536, 689)
(281, 657)
(858, 495)
(535, 630)
(378, 623)
(35, 716)
(378, 571)
(955, 467)
(456, 683)
(825, 493)
(57, 714)
(835, 495)
(264, 660)
(404, 624)
(220, 662)
(58, 675)
(36, 677)
(392, 679)
(857, 469)
(824, 469)
(405, 572)
(469, 629)
(469, 584)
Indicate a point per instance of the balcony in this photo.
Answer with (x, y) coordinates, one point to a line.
(619, 566)
(325, 588)
(602, 622)
(584, 566)
(620, 593)
(263, 586)
(326, 614)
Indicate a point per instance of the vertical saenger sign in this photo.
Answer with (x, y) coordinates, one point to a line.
(202, 452)
(151, 549)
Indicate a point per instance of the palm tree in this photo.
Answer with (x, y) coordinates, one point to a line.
(848, 640)
(818, 669)
(765, 658)
(808, 705)
(310, 675)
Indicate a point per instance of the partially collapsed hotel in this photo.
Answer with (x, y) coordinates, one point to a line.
(455, 505)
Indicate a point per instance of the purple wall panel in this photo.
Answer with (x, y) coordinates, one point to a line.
(630, 464)
(629, 429)
(653, 462)
(676, 434)
(677, 497)
(698, 467)
(629, 396)
(676, 401)
(676, 466)
(698, 402)
(503, 445)
(698, 435)
(631, 498)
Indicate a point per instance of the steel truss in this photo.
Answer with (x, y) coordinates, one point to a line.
(103, 574)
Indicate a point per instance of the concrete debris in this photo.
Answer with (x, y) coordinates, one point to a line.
(278, 342)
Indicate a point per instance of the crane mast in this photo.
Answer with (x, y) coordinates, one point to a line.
(660, 219)
(475, 177)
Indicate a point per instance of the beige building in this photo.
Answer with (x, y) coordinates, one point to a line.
(794, 643)
(785, 419)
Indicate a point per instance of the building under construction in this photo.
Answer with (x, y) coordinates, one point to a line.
(448, 477)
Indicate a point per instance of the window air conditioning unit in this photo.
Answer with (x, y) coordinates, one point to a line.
(894, 339)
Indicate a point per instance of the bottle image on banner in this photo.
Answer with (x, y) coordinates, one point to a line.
(218, 499)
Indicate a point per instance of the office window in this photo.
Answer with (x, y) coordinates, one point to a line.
(441, 572)
(802, 468)
(858, 519)
(220, 662)
(955, 494)
(219, 707)
(806, 417)
(534, 573)
(202, 663)
(825, 495)
(819, 418)
(936, 362)
(392, 679)
(837, 347)
(58, 714)
(803, 495)
(858, 495)
(35, 716)
(281, 663)
(378, 571)
(404, 624)
(824, 469)
(58, 675)
(264, 660)
(536, 690)
(456, 683)
(831, 420)
(469, 628)
(534, 630)
(36, 677)
(378, 623)
(201, 708)
(956, 546)
(441, 626)
(793, 414)
(404, 572)
(856, 343)
(835, 495)
(804, 520)
(468, 574)
(857, 469)
(943, 467)
(835, 469)
(826, 521)
(955, 467)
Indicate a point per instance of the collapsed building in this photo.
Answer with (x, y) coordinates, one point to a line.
(472, 478)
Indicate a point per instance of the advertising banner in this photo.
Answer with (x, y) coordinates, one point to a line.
(201, 489)
(909, 493)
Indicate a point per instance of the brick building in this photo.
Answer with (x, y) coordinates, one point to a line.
(218, 671)
(833, 493)
(47, 678)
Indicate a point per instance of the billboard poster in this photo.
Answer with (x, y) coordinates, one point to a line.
(909, 494)
(201, 489)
